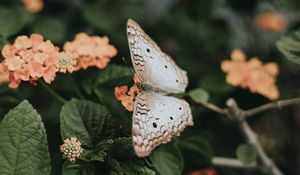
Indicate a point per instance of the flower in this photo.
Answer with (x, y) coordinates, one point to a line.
(127, 98)
(33, 6)
(29, 59)
(207, 171)
(67, 62)
(253, 74)
(270, 21)
(91, 50)
(71, 149)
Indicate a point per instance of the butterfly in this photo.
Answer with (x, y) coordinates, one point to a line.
(156, 116)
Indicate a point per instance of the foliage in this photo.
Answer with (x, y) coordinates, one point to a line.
(289, 46)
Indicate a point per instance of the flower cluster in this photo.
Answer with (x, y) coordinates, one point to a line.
(71, 149)
(207, 171)
(29, 59)
(274, 22)
(253, 74)
(33, 6)
(91, 50)
(127, 97)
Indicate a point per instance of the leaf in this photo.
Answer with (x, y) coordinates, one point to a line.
(197, 151)
(289, 46)
(167, 159)
(77, 169)
(51, 28)
(3, 41)
(23, 142)
(113, 75)
(122, 149)
(12, 20)
(246, 153)
(88, 121)
(199, 95)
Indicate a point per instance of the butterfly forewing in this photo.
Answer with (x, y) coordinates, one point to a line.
(155, 119)
(154, 66)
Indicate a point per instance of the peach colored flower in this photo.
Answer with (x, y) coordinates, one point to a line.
(33, 6)
(91, 50)
(29, 59)
(3, 75)
(127, 98)
(120, 92)
(207, 171)
(270, 21)
(253, 74)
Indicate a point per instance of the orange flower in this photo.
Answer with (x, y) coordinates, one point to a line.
(67, 62)
(33, 6)
(274, 22)
(253, 74)
(91, 50)
(127, 98)
(29, 59)
(207, 171)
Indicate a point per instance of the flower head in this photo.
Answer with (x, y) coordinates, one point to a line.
(29, 59)
(71, 149)
(91, 50)
(127, 97)
(33, 6)
(67, 62)
(274, 22)
(253, 74)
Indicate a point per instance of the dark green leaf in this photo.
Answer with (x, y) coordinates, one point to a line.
(122, 149)
(3, 41)
(289, 46)
(167, 159)
(88, 121)
(12, 20)
(23, 142)
(51, 28)
(246, 153)
(199, 95)
(113, 75)
(77, 169)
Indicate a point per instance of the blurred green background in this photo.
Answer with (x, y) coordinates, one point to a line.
(198, 35)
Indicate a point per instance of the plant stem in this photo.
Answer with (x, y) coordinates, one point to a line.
(53, 93)
(230, 162)
(272, 105)
(74, 85)
(214, 108)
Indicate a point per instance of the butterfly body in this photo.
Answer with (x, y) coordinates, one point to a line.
(156, 117)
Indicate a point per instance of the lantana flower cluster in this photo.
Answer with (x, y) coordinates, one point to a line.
(271, 21)
(33, 6)
(126, 97)
(252, 74)
(31, 58)
(71, 149)
(91, 50)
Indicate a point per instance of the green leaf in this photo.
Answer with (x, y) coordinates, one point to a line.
(199, 95)
(51, 28)
(23, 142)
(12, 20)
(167, 159)
(88, 121)
(122, 149)
(77, 169)
(3, 41)
(289, 46)
(246, 153)
(113, 75)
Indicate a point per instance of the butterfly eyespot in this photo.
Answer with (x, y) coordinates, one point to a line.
(166, 66)
(177, 81)
(154, 125)
(171, 117)
(180, 108)
(148, 50)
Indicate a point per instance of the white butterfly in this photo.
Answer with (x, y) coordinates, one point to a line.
(156, 117)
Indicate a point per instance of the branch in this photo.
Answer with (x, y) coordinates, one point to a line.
(267, 164)
(272, 105)
(232, 163)
(214, 108)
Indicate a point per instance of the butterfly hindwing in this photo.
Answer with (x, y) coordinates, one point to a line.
(156, 118)
(156, 68)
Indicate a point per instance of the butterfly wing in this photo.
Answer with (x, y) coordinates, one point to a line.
(155, 119)
(155, 68)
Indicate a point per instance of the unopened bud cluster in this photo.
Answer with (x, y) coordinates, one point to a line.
(71, 149)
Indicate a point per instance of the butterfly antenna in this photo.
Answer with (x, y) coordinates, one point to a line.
(131, 71)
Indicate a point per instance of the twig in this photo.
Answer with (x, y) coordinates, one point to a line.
(266, 163)
(54, 94)
(232, 163)
(214, 108)
(272, 105)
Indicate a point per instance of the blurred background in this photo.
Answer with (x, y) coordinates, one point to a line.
(198, 35)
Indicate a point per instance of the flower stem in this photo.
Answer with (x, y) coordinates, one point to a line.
(53, 93)
(74, 85)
